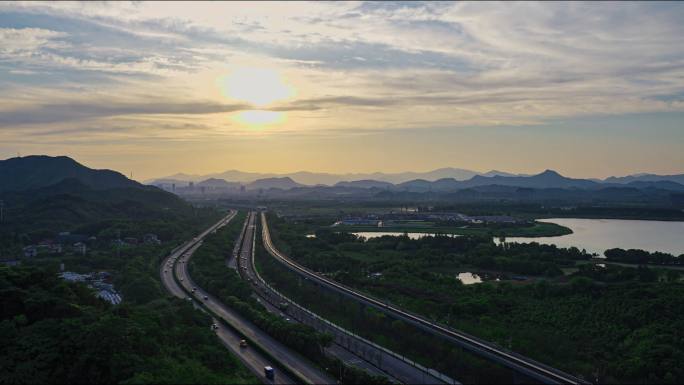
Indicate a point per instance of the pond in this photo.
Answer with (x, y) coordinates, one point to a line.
(468, 278)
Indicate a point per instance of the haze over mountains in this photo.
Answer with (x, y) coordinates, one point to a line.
(444, 179)
(315, 178)
(58, 191)
(36, 172)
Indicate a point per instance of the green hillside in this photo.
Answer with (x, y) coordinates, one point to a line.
(92, 203)
(36, 171)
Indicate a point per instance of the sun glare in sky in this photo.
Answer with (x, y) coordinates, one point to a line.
(259, 117)
(257, 86)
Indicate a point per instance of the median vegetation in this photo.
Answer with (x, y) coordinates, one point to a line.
(208, 269)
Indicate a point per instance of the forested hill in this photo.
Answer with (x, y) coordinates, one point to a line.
(81, 198)
(70, 203)
(37, 171)
(57, 332)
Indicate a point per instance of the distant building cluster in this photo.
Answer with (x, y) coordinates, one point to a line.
(100, 281)
(80, 244)
(358, 222)
(77, 243)
(393, 218)
(148, 239)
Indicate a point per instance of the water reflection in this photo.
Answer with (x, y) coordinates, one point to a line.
(468, 278)
(599, 235)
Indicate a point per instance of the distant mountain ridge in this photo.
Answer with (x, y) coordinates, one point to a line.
(543, 180)
(316, 178)
(378, 179)
(366, 183)
(548, 179)
(677, 178)
(215, 182)
(37, 171)
(284, 183)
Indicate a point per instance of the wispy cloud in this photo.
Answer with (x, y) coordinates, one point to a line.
(54, 113)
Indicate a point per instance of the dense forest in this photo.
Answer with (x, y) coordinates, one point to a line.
(642, 257)
(58, 332)
(606, 323)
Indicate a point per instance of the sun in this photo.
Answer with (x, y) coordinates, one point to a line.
(256, 86)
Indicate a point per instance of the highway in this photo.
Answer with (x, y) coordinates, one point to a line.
(483, 348)
(295, 363)
(254, 360)
(351, 349)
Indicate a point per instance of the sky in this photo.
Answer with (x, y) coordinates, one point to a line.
(588, 89)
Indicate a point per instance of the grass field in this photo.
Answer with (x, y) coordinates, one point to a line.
(538, 229)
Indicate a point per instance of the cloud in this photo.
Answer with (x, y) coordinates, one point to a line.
(64, 112)
(331, 102)
(16, 41)
(391, 64)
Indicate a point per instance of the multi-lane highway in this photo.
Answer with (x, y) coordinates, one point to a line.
(301, 367)
(252, 358)
(165, 270)
(348, 347)
(483, 348)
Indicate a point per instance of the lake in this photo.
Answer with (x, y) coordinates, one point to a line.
(598, 235)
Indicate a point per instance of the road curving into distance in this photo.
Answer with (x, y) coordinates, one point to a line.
(252, 358)
(348, 347)
(278, 354)
(517, 362)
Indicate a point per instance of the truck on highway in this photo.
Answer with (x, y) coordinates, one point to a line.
(269, 372)
(283, 306)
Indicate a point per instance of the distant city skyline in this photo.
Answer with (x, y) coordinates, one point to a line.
(590, 90)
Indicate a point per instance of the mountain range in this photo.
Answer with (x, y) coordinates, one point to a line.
(36, 172)
(544, 180)
(316, 178)
(436, 180)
